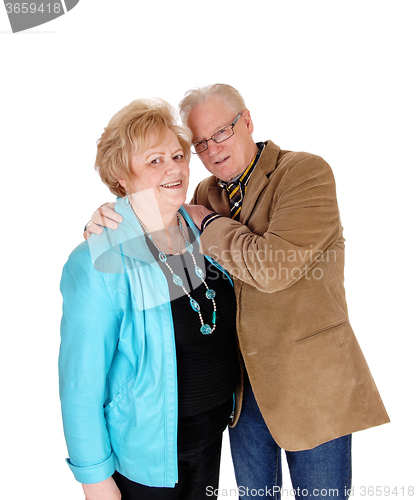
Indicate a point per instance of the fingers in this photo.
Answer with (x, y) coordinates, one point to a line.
(92, 228)
(106, 216)
(110, 204)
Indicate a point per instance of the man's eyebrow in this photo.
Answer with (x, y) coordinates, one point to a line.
(217, 129)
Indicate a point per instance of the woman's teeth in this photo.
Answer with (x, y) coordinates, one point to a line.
(171, 184)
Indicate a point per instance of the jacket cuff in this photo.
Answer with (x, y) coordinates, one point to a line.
(93, 473)
(208, 219)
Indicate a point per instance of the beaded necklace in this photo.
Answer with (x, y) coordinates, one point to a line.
(209, 294)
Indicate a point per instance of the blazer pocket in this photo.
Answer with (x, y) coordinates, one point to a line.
(320, 331)
(119, 395)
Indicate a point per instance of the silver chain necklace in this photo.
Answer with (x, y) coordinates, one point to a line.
(205, 329)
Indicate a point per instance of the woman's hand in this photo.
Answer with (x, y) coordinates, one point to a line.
(104, 216)
(104, 490)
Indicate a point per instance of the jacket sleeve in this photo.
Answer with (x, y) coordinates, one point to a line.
(303, 222)
(89, 334)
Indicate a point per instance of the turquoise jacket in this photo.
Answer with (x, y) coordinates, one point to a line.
(117, 361)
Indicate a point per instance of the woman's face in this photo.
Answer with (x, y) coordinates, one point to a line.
(163, 168)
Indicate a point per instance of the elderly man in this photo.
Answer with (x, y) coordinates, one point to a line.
(270, 217)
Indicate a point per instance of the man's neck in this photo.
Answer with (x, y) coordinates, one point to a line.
(235, 179)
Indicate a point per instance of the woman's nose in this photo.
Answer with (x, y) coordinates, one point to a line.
(172, 166)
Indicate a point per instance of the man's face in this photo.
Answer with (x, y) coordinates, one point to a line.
(231, 157)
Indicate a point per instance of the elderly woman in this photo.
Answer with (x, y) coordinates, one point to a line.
(148, 361)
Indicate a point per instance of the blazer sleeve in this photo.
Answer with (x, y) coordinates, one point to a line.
(89, 335)
(301, 222)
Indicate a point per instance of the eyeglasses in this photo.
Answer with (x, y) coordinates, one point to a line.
(220, 136)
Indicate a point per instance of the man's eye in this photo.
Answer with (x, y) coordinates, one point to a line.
(221, 133)
(200, 146)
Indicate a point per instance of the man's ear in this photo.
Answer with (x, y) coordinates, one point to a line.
(248, 122)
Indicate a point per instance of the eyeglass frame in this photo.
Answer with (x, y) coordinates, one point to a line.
(232, 125)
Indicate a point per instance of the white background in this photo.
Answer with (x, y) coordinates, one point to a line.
(329, 77)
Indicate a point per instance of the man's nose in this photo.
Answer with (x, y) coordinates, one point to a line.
(213, 147)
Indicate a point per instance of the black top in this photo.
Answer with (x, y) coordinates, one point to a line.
(207, 365)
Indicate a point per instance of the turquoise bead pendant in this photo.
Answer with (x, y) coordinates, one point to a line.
(205, 329)
(199, 272)
(177, 280)
(162, 257)
(195, 306)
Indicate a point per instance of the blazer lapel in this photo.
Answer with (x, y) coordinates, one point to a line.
(259, 179)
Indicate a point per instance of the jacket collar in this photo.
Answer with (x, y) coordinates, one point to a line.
(259, 179)
(128, 240)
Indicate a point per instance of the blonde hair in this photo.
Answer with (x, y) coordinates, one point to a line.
(229, 95)
(128, 133)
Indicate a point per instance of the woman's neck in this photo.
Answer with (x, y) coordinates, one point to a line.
(155, 220)
(163, 227)
(153, 216)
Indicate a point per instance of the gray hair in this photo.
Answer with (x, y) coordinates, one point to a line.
(229, 95)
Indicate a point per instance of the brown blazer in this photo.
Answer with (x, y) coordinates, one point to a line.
(308, 373)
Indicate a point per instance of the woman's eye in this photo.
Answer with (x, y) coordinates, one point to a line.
(156, 161)
(178, 157)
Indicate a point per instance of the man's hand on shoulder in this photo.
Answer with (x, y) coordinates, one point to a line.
(197, 213)
(105, 216)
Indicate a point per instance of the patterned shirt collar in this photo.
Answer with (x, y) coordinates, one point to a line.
(244, 177)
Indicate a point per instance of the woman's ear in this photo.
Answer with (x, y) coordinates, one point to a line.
(122, 183)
